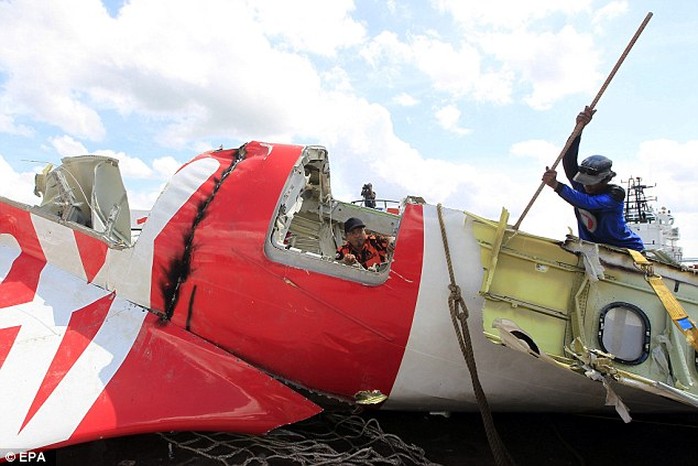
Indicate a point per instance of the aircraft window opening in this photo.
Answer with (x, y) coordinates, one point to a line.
(624, 332)
(308, 227)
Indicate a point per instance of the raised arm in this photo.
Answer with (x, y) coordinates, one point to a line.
(569, 160)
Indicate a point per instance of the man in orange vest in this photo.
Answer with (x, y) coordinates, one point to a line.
(367, 250)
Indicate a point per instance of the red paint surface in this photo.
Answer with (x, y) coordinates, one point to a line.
(330, 334)
(19, 286)
(82, 328)
(92, 251)
(7, 339)
(172, 380)
(335, 335)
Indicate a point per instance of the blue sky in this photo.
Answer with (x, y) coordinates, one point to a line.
(459, 102)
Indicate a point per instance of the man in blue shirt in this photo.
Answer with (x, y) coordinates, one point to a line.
(598, 205)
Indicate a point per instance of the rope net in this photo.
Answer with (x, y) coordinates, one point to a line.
(330, 438)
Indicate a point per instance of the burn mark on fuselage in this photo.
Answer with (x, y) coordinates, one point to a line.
(180, 267)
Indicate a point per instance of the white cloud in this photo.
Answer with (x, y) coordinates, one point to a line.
(405, 100)
(507, 14)
(316, 26)
(47, 74)
(244, 70)
(15, 185)
(66, 146)
(553, 64)
(448, 118)
(143, 199)
(542, 152)
(165, 167)
(8, 125)
(337, 79)
(130, 167)
(502, 47)
(671, 165)
(194, 73)
(386, 48)
(610, 11)
(453, 70)
(393, 166)
(210, 67)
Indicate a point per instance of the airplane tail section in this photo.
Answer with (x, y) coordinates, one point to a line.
(173, 380)
(79, 362)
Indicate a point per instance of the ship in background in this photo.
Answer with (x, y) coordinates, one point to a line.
(655, 227)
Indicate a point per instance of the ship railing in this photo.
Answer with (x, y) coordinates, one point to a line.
(386, 205)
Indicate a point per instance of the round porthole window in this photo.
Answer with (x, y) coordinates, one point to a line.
(624, 332)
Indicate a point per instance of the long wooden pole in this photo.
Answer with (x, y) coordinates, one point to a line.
(578, 128)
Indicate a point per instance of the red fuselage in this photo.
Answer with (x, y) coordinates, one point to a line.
(329, 334)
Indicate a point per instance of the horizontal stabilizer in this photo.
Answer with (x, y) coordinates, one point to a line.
(79, 363)
(173, 380)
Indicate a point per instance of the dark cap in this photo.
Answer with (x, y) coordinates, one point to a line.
(594, 169)
(352, 223)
